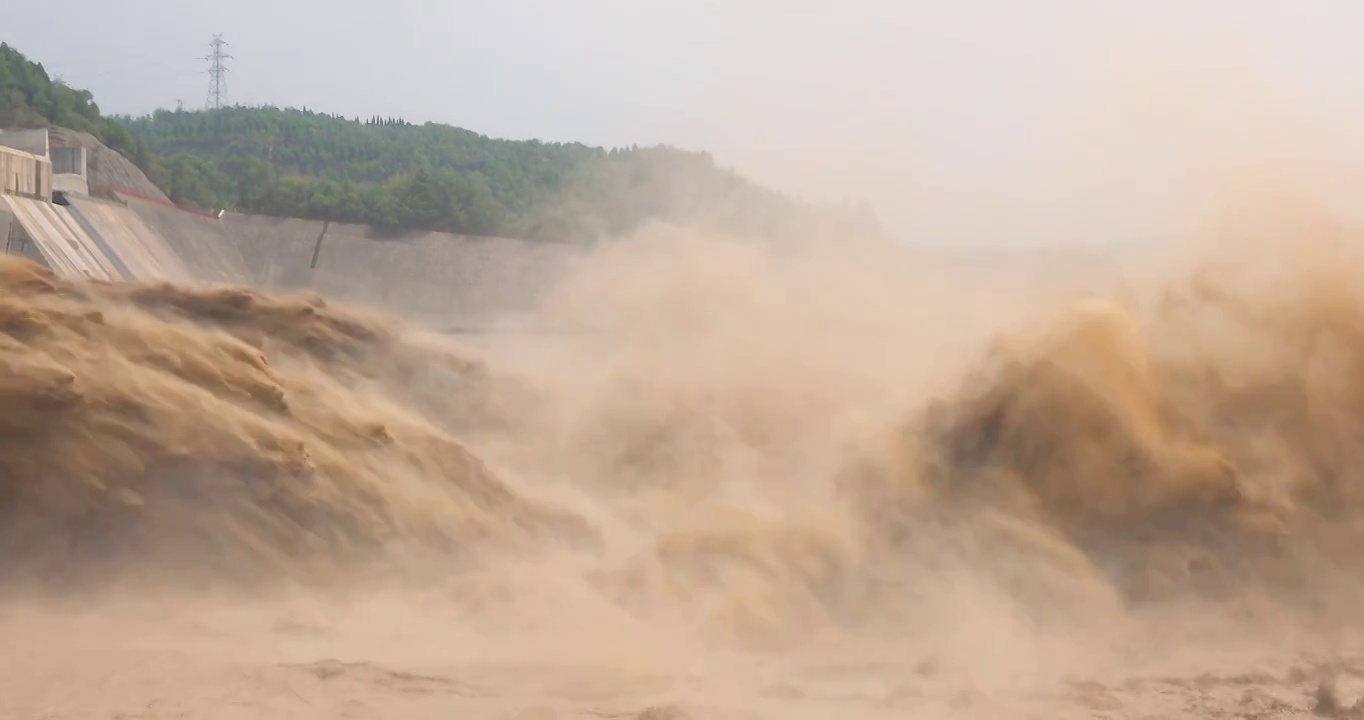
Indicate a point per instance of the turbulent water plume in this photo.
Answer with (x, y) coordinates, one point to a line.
(751, 449)
(221, 435)
(728, 426)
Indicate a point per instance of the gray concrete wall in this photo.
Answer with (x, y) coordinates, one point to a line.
(70, 183)
(43, 179)
(17, 172)
(6, 222)
(69, 161)
(25, 174)
(34, 142)
(433, 278)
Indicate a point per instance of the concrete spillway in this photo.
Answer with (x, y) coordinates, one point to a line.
(60, 239)
(138, 251)
(445, 279)
(441, 279)
(92, 239)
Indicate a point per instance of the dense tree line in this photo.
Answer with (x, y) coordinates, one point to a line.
(394, 174)
(391, 173)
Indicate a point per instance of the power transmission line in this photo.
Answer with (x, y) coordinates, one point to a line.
(217, 73)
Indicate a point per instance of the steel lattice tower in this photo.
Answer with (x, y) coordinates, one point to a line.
(217, 73)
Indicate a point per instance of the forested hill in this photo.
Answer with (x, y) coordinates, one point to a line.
(395, 174)
(398, 175)
(30, 98)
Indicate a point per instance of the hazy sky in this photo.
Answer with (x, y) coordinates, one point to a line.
(949, 117)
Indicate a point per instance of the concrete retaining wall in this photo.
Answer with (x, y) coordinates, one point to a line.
(69, 183)
(43, 172)
(33, 142)
(435, 278)
(16, 172)
(25, 174)
(69, 161)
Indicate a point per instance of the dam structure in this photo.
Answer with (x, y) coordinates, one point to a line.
(54, 212)
(47, 215)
